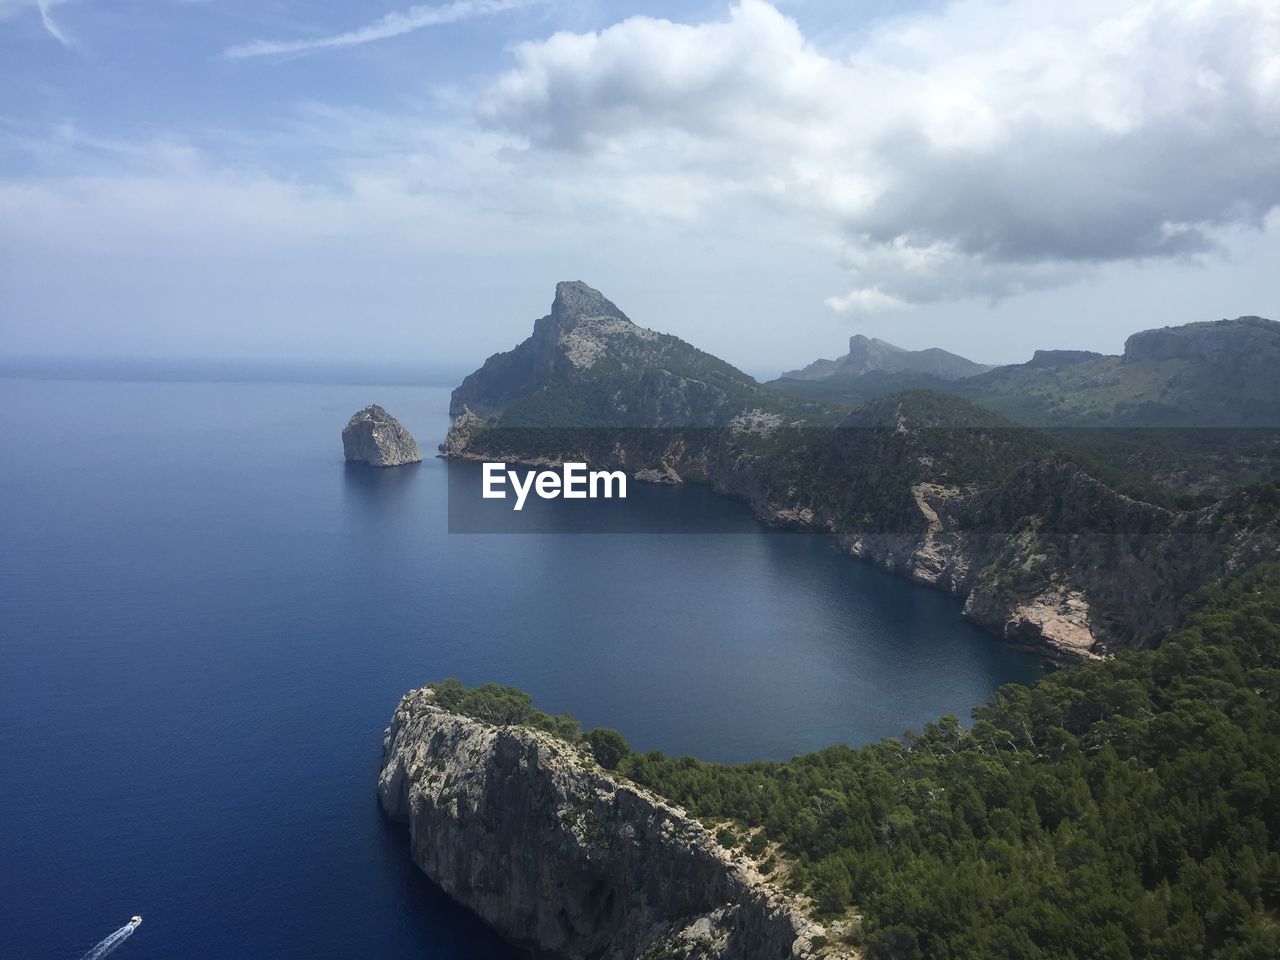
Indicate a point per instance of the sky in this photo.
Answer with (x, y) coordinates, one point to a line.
(375, 182)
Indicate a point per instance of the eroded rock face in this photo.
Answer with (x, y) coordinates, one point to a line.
(559, 856)
(375, 437)
(574, 335)
(650, 379)
(455, 442)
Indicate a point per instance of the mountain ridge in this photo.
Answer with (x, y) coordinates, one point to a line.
(1205, 374)
(870, 354)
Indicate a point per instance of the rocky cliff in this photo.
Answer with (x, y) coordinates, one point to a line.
(375, 437)
(1054, 558)
(1234, 345)
(562, 857)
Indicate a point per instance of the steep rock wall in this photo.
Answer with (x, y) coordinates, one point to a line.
(560, 856)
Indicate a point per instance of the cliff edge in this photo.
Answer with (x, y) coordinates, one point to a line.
(560, 856)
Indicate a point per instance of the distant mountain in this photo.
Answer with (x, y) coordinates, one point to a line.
(1062, 358)
(852, 391)
(1201, 374)
(870, 355)
(1219, 374)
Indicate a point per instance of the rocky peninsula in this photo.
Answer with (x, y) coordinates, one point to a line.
(1043, 551)
(564, 857)
(375, 437)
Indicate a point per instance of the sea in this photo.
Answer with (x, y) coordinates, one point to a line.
(207, 618)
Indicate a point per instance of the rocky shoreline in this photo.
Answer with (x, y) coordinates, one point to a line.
(562, 857)
(931, 486)
(1051, 558)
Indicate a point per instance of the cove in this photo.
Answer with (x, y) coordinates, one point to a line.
(207, 619)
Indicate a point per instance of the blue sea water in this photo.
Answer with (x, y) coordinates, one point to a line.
(206, 619)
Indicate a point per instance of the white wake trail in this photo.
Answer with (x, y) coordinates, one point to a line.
(111, 942)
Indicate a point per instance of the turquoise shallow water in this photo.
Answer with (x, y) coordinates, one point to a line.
(206, 619)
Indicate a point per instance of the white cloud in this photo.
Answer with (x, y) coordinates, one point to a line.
(412, 189)
(46, 17)
(990, 150)
(13, 8)
(987, 149)
(868, 300)
(391, 25)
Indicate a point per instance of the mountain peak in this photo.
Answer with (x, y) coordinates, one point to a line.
(586, 363)
(860, 345)
(575, 300)
(873, 355)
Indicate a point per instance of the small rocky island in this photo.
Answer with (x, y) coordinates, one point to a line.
(375, 437)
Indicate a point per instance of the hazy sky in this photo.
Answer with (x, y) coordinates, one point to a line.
(364, 181)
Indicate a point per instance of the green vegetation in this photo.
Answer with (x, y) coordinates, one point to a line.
(505, 706)
(502, 706)
(854, 391)
(1122, 809)
(608, 747)
(859, 467)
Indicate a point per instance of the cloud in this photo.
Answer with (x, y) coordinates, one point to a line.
(985, 149)
(391, 25)
(13, 8)
(415, 190)
(868, 300)
(46, 17)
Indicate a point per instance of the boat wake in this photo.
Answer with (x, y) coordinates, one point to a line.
(113, 941)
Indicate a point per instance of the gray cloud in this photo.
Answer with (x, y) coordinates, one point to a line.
(989, 149)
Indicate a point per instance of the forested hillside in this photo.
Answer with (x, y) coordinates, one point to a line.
(1123, 809)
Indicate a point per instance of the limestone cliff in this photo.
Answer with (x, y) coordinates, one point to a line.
(375, 437)
(562, 857)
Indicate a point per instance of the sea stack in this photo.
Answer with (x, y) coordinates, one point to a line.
(375, 437)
